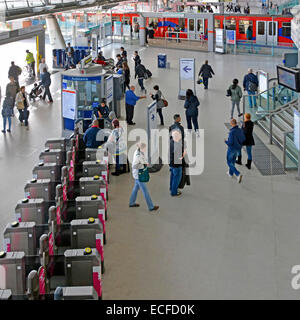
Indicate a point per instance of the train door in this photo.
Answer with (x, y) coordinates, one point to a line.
(191, 29)
(261, 32)
(125, 20)
(200, 31)
(272, 32)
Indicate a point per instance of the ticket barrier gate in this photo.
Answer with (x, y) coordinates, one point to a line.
(31, 210)
(76, 267)
(96, 154)
(56, 156)
(75, 293)
(40, 189)
(56, 143)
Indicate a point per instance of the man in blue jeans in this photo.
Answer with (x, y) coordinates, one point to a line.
(176, 155)
(234, 142)
(250, 85)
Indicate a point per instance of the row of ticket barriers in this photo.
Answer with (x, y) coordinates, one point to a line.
(55, 248)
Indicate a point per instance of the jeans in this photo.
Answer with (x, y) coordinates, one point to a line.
(23, 116)
(141, 83)
(249, 152)
(137, 186)
(237, 104)
(47, 93)
(251, 93)
(175, 178)
(231, 158)
(4, 123)
(69, 62)
(190, 119)
(159, 111)
(205, 82)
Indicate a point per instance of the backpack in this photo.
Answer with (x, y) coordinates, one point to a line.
(252, 86)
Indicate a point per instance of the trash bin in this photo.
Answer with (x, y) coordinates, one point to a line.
(162, 60)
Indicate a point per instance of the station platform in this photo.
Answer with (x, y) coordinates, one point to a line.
(219, 239)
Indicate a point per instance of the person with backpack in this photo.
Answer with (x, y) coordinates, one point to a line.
(159, 103)
(139, 164)
(15, 71)
(140, 71)
(250, 85)
(247, 127)
(191, 105)
(235, 92)
(206, 72)
(234, 142)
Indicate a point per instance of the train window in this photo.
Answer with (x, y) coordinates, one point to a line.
(286, 29)
(231, 24)
(126, 20)
(200, 25)
(217, 23)
(261, 28)
(115, 18)
(243, 26)
(272, 28)
(181, 23)
(191, 25)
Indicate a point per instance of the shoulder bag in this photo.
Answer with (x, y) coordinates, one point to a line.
(144, 174)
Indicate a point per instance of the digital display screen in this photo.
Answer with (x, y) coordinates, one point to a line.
(289, 78)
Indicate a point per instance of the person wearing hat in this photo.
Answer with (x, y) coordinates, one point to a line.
(116, 145)
(101, 111)
(30, 61)
(93, 136)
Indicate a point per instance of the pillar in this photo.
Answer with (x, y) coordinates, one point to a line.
(210, 33)
(221, 7)
(142, 33)
(56, 38)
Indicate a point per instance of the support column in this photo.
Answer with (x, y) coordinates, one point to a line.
(142, 31)
(210, 31)
(221, 8)
(56, 38)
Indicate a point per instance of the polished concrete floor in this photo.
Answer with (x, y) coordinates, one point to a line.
(219, 240)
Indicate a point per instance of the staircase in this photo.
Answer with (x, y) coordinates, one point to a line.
(279, 126)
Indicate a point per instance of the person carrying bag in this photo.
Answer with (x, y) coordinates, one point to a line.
(141, 176)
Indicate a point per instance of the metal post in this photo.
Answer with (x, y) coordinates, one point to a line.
(271, 129)
(284, 150)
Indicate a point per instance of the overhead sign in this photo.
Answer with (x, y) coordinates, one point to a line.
(230, 37)
(187, 69)
(71, 78)
(297, 129)
(68, 104)
(172, 15)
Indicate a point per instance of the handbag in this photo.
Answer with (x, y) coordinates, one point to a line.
(229, 93)
(166, 103)
(200, 80)
(144, 174)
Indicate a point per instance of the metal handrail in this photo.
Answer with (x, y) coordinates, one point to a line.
(284, 148)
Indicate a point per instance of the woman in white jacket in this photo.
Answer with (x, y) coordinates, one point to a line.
(139, 162)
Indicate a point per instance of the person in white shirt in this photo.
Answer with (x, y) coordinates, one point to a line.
(43, 65)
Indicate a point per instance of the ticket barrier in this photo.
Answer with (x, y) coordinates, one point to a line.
(75, 293)
(32, 210)
(56, 156)
(56, 143)
(40, 189)
(96, 154)
(5, 294)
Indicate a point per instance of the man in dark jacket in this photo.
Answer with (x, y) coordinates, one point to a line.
(11, 89)
(140, 71)
(137, 59)
(119, 62)
(191, 110)
(250, 84)
(46, 82)
(177, 126)
(15, 71)
(123, 52)
(206, 72)
(234, 142)
(92, 136)
(175, 162)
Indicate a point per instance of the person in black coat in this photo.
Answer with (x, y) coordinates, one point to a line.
(137, 59)
(249, 142)
(126, 71)
(191, 105)
(206, 72)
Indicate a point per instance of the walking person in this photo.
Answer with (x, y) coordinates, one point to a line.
(250, 85)
(46, 82)
(130, 101)
(126, 72)
(30, 61)
(15, 71)
(176, 155)
(69, 56)
(234, 142)
(22, 106)
(247, 127)
(206, 72)
(7, 112)
(177, 125)
(42, 66)
(159, 103)
(236, 95)
(123, 52)
(191, 105)
(139, 163)
(11, 90)
(137, 59)
(140, 71)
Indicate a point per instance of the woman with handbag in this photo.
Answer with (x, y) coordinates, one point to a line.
(160, 103)
(141, 177)
(23, 106)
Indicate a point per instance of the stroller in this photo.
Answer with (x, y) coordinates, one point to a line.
(36, 92)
